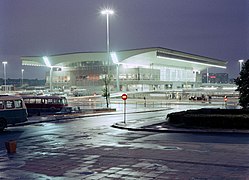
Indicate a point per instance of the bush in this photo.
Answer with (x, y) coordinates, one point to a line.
(211, 118)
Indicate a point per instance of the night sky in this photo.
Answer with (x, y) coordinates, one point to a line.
(213, 28)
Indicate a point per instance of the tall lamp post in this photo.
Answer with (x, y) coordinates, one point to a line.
(48, 64)
(241, 61)
(115, 61)
(22, 76)
(4, 72)
(107, 13)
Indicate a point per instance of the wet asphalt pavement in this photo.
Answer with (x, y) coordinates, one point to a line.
(89, 148)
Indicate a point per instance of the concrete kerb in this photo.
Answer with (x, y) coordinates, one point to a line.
(171, 129)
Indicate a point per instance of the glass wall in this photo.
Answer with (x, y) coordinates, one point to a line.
(89, 75)
(177, 74)
(159, 74)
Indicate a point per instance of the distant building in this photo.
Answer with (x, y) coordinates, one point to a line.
(27, 82)
(215, 78)
(7, 88)
(131, 70)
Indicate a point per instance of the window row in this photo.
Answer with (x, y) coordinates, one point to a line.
(10, 104)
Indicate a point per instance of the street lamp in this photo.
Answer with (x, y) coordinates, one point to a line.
(22, 76)
(241, 61)
(4, 72)
(48, 64)
(107, 13)
(115, 61)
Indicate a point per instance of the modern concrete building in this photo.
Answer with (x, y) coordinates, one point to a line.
(130, 70)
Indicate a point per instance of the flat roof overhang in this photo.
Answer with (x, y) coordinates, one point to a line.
(190, 62)
(138, 57)
(169, 59)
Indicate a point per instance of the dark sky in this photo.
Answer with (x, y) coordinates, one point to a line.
(213, 28)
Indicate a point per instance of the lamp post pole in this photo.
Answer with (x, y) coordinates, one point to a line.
(22, 76)
(4, 71)
(241, 61)
(207, 75)
(108, 43)
(50, 79)
(48, 64)
(108, 12)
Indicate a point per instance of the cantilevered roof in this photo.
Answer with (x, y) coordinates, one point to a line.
(145, 56)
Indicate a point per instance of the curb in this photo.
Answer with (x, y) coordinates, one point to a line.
(175, 130)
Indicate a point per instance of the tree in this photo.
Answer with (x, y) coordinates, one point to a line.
(106, 91)
(243, 85)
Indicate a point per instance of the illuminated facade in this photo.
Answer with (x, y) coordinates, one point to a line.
(130, 70)
(219, 78)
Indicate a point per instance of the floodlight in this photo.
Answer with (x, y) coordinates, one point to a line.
(114, 58)
(107, 11)
(46, 61)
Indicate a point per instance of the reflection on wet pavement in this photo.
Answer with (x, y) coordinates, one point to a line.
(78, 150)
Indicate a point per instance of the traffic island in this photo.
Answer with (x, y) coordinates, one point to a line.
(210, 118)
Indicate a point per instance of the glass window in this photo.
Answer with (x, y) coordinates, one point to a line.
(32, 101)
(50, 101)
(18, 103)
(26, 100)
(38, 101)
(10, 104)
(1, 105)
(64, 101)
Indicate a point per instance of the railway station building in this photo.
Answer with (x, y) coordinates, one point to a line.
(145, 69)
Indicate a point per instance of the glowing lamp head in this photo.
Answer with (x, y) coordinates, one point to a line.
(107, 12)
(114, 58)
(46, 61)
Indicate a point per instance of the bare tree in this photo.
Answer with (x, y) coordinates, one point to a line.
(106, 89)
